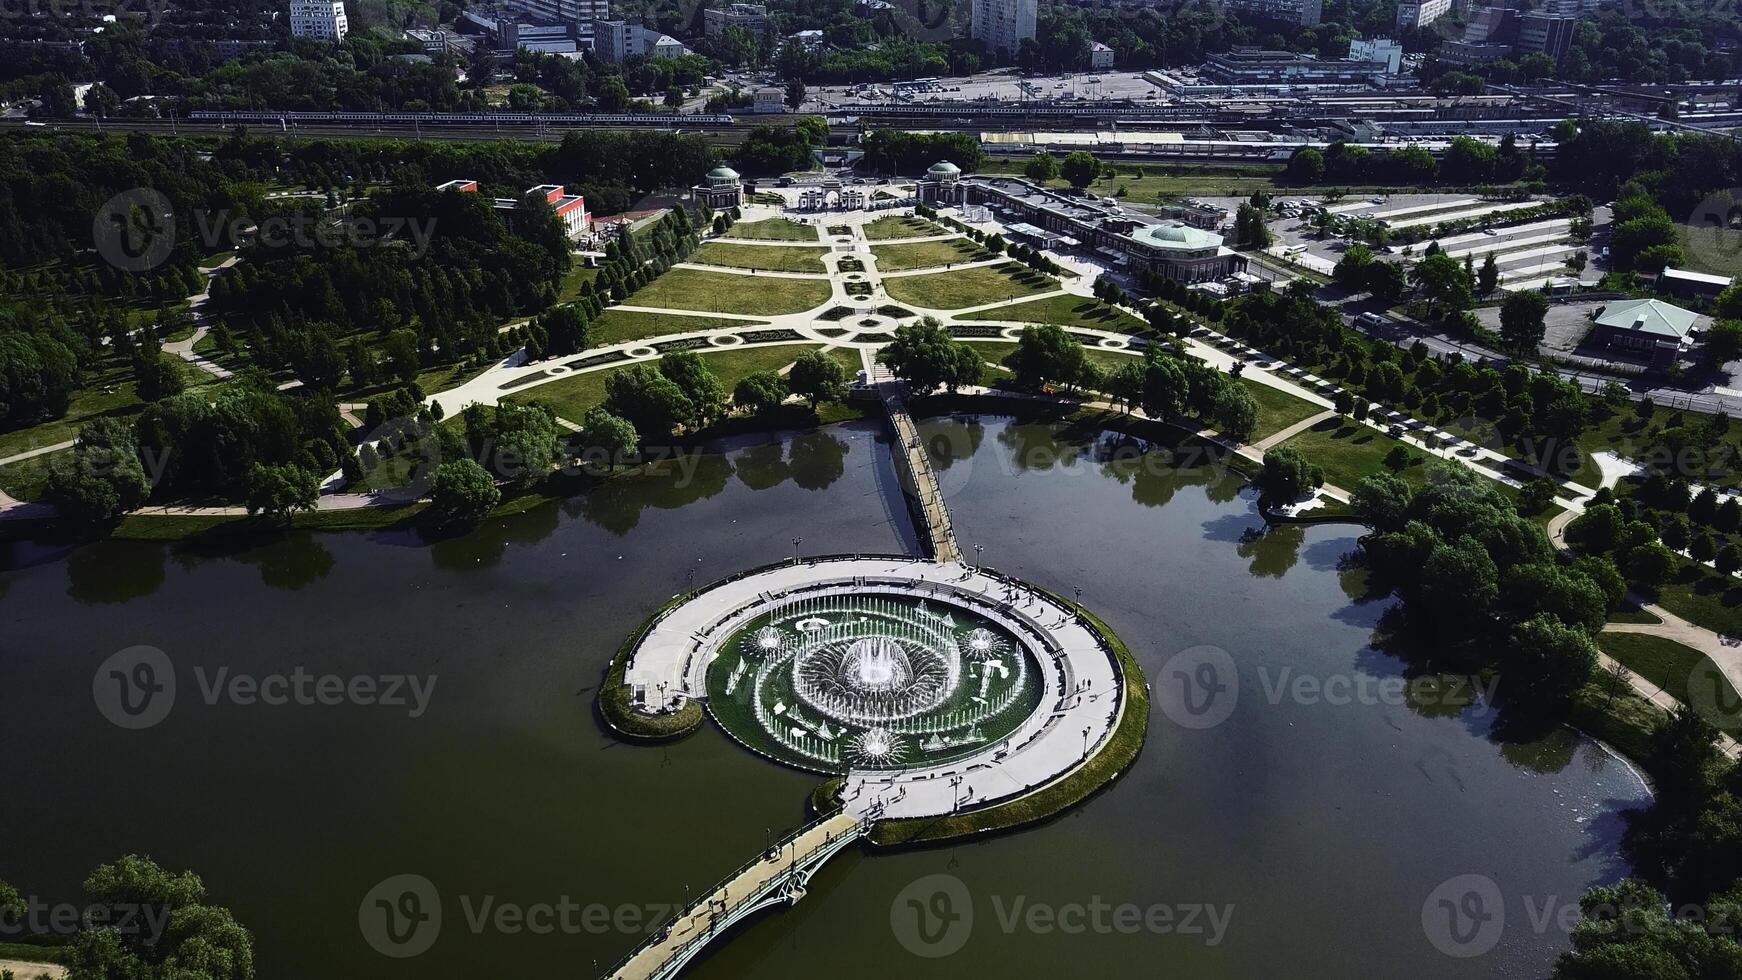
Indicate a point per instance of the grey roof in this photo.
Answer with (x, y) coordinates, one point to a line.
(1649, 316)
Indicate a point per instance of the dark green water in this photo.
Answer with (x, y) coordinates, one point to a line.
(1325, 827)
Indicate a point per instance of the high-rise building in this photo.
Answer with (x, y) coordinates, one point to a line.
(1306, 13)
(614, 40)
(324, 19)
(1380, 49)
(1550, 34)
(752, 17)
(1420, 13)
(1002, 24)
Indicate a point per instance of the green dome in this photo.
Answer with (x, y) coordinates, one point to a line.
(723, 174)
(944, 168)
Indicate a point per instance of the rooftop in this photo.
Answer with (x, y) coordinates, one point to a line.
(1648, 316)
(1172, 234)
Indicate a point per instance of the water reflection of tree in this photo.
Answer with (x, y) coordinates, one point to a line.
(763, 467)
(115, 571)
(1272, 551)
(951, 439)
(487, 544)
(1040, 447)
(291, 562)
(616, 504)
(818, 459)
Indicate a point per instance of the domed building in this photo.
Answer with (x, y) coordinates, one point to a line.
(942, 184)
(720, 189)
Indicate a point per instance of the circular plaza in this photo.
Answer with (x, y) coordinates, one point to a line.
(930, 688)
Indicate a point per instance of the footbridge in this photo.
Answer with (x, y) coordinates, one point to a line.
(777, 875)
(916, 464)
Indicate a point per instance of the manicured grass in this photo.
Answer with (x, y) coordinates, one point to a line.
(773, 230)
(572, 395)
(25, 479)
(776, 258)
(725, 292)
(577, 276)
(1703, 597)
(108, 390)
(897, 226)
(1277, 410)
(1066, 311)
(1348, 451)
(1667, 664)
(1614, 713)
(616, 326)
(963, 288)
(569, 396)
(925, 255)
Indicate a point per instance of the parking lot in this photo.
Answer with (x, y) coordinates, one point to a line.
(1005, 85)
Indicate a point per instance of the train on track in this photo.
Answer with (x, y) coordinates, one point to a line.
(290, 118)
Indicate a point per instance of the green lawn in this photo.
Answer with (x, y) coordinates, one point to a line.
(1668, 664)
(1348, 451)
(778, 258)
(924, 255)
(1277, 410)
(108, 390)
(773, 230)
(1702, 596)
(25, 480)
(725, 292)
(1066, 311)
(896, 226)
(577, 276)
(968, 287)
(571, 396)
(615, 326)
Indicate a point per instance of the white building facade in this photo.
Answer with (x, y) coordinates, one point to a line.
(323, 19)
(1001, 25)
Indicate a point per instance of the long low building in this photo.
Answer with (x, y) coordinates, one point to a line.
(1171, 249)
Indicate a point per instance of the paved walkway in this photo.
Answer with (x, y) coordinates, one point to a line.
(39, 451)
(1278, 438)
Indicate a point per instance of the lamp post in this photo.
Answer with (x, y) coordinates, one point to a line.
(979, 562)
(795, 543)
(1085, 742)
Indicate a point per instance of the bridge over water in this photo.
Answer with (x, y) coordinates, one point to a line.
(777, 875)
(915, 462)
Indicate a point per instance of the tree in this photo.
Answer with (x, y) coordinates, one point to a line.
(761, 391)
(1042, 168)
(1235, 410)
(515, 442)
(1250, 230)
(1521, 319)
(1047, 354)
(1724, 341)
(462, 492)
(1443, 283)
(1551, 660)
(1459, 583)
(700, 387)
(565, 330)
(610, 435)
(1382, 501)
(1306, 166)
(102, 479)
(648, 400)
(1626, 932)
(277, 491)
(1539, 588)
(1728, 559)
(1386, 281)
(1489, 278)
(1080, 168)
(156, 375)
(1650, 564)
(1287, 475)
(795, 94)
(1352, 270)
(1597, 529)
(924, 355)
(817, 377)
(200, 941)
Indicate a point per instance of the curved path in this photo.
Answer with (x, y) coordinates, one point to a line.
(1080, 706)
